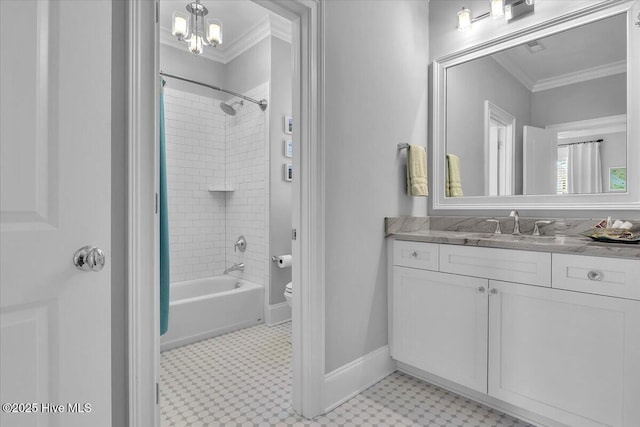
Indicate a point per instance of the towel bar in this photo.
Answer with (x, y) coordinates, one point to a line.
(402, 146)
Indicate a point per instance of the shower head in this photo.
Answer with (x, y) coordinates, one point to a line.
(228, 109)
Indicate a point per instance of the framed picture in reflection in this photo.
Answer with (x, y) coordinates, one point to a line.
(618, 179)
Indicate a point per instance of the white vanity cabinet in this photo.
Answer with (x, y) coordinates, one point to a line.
(572, 357)
(440, 324)
(539, 345)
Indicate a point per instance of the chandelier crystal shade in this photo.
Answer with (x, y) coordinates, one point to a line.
(192, 28)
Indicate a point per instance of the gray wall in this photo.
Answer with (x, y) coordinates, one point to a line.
(468, 86)
(606, 96)
(250, 69)
(445, 39)
(279, 190)
(182, 63)
(376, 96)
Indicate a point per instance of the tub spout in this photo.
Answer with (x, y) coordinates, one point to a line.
(235, 267)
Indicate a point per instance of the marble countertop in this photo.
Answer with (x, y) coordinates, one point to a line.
(418, 230)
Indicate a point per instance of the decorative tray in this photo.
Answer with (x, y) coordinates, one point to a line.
(612, 235)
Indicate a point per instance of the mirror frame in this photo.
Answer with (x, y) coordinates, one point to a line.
(600, 201)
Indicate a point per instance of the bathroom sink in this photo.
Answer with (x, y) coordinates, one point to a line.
(522, 238)
(499, 237)
(471, 235)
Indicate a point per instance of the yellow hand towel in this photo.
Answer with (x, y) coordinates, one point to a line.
(417, 171)
(454, 184)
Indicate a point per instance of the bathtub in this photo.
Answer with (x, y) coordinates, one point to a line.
(204, 308)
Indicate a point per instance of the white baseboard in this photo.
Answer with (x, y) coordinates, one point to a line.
(354, 377)
(278, 313)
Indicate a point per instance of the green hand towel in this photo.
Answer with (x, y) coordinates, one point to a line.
(454, 184)
(417, 171)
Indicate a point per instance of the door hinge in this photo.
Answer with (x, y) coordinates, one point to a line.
(157, 12)
(156, 202)
(157, 393)
(294, 234)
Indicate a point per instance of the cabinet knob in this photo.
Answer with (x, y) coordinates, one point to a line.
(493, 291)
(414, 254)
(594, 275)
(481, 289)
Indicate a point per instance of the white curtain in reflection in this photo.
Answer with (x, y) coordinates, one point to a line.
(584, 171)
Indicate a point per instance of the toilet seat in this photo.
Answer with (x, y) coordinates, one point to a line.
(288, 293)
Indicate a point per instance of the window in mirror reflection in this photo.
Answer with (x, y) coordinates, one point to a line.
(523, 120)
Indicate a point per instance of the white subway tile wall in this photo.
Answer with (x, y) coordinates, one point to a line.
(194, 128)
(247, 163)
(207, 148)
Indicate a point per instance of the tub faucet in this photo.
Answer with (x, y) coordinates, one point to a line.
(516, 222)
(234, 267)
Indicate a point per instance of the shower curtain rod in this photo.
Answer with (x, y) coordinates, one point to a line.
(262, 103)
(581, 142)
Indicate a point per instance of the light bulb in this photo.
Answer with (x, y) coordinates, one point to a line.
(195, 44)
(508, 12)
(214, 32)
(179, 26)
(497, 9)
(464, 19)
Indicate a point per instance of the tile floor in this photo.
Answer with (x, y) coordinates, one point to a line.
(244, 379)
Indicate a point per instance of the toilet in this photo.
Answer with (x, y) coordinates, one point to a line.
(288, 292)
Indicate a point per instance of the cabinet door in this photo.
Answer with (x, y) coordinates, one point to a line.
(440, 324)
(572, 357)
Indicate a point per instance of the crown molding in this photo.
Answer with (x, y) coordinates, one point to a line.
(515, 70)
(598, 72)
(268, 26)
(248, 39)
(589, 127)
(527, 81)
(281, 28)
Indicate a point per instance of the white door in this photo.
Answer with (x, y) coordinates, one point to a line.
(570, 356)
(440, 324)
(499, 135)
(540, 161)
(55, 151)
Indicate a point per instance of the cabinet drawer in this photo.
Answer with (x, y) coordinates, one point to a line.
(415, 254)
(532, 268)
(596, 275)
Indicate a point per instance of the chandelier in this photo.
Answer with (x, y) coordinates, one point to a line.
(191, 28)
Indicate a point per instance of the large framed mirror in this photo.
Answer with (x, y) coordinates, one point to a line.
(545, 118)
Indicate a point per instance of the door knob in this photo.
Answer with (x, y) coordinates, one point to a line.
(89, 258)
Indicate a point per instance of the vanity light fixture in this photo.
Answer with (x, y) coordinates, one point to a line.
(497, 9)
(509, 9)
(464, 19)
(191, 28)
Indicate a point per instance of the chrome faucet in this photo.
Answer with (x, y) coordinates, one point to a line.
(235, 267)
(516, 222)
(536, 228)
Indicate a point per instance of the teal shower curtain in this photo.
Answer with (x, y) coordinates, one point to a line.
(164, 226)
